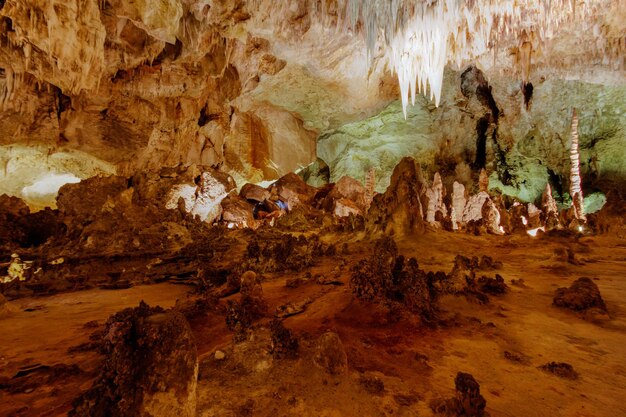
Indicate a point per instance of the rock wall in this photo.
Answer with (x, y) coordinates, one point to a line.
(524, 148)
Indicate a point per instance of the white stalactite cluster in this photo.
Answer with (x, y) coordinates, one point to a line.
(422, 36)
(419, 37)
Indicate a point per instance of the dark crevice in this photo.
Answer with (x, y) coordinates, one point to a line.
(63, 102)
(2, 4)
(556, 181)
(206, 118)
(481, 142)
(169, 53)
(527, 91)
(474, 84)
(483, 92)
(6, 24)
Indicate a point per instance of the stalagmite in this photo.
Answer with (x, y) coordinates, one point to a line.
(435, 194)
(370, 184)
(473, 208)
(483, 181)
(458, 204)
(576, 191)
(547, 201)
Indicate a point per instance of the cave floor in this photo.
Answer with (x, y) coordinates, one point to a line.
(416, 363)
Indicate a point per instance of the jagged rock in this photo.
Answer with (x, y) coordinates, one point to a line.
(518, 218)
(150, 367)
(293, 190)
(491, 217)
(534, 217)
(284, 344)
(344, 208)
(474, 206)
(582, 296)
(483, 181)
(560, 369)
(468, 401)
(493, 286)
(82, 202)
(250, 307)
(213, 187)
(330, 354)
(434, 200)
(457, 280)
(254, 193)
(237, 211)
(393, 281)
(399, 209)
(352, 190)
(13, 212)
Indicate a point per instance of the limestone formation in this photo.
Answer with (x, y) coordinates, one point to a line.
(150, 367)
(434, 197)
(330, 354)
(474, 206)
(237, 212)
(483, 181)
(458, 205)
(254, 193)
(293, 191)
(400, 208)
(575, 188)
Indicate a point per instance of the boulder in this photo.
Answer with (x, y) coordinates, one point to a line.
(203, 197)
(468, 402)
(344, 207)
(213, 187)
(150, 367)
(254, 193)
(293, 190)
(330, 354)
(581, 296)
(237, 211)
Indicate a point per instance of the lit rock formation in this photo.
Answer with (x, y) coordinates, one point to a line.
(575, 188)
(458, 205)
(474, 206)
(434, 196)
(547, 201)
(204, 199)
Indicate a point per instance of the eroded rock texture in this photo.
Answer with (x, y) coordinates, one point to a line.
(150, 367)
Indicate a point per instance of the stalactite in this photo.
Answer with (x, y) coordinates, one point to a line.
(575, 188)
(420, 36)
